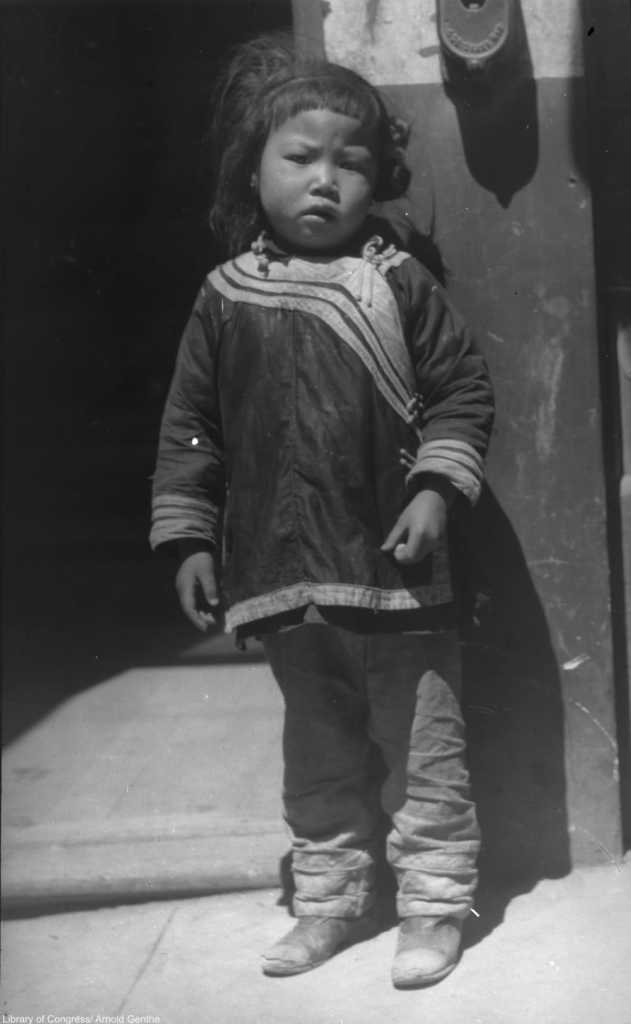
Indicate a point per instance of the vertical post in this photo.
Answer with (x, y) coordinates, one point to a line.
(608, 71)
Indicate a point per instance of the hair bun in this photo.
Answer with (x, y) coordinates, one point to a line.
(399, 132)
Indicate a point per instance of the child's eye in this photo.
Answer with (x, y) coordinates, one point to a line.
(298, 158)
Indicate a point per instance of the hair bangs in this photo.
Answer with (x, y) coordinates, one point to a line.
(340, 92)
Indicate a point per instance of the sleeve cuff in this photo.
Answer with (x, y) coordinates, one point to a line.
(458, 461)
(176, 517)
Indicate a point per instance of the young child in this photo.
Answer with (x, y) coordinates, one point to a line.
(327, 409)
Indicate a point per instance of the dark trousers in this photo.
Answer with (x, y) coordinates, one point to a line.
(343, 692)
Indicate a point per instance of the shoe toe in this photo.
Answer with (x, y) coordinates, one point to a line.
(427, 950)
(312, 941)
(284, 958)
(418, 967)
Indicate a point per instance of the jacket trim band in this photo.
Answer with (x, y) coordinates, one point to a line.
(374, 333)
(176, 517)
(338, 594)
(456, 460)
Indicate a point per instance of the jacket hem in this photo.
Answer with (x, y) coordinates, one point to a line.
(336, 594)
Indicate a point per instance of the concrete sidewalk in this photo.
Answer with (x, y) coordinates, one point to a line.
(165, 781)
(157, 782)
(560, 956)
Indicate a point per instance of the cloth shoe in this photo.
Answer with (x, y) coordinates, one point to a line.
(427, 950)
(313, 940)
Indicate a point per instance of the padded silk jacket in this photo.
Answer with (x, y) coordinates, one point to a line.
(297, 385)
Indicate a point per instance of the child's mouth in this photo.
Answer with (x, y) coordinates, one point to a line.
(319, 213)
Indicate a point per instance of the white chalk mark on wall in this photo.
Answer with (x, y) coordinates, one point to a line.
(606, 734)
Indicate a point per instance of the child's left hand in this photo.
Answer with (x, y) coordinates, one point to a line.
(419, 528)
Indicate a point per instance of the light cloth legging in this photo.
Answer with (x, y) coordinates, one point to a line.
(343, 691)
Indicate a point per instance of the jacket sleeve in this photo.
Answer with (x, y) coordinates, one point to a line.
(189, 481)
(454, 388)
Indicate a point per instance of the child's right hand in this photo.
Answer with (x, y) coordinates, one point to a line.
(196, 587)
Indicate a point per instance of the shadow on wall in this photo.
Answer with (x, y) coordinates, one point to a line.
(513, 709)
(511, 685)
(502, 93)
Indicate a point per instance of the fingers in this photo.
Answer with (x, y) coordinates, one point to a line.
(414, 550)
(419, 528)
(197, 591)
(407, 544)
(208, 585)
(187, 593)
(396, 535)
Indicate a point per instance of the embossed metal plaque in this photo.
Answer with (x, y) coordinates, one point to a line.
(473, 32)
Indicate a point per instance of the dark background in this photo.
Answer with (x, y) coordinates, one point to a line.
(105, 114)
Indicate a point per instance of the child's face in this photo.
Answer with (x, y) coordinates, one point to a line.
(316, 179)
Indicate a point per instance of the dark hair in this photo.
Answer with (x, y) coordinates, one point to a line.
(263, 85)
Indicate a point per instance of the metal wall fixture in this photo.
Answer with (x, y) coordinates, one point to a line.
(474, 33)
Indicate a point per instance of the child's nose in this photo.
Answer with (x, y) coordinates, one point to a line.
(325, 179)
